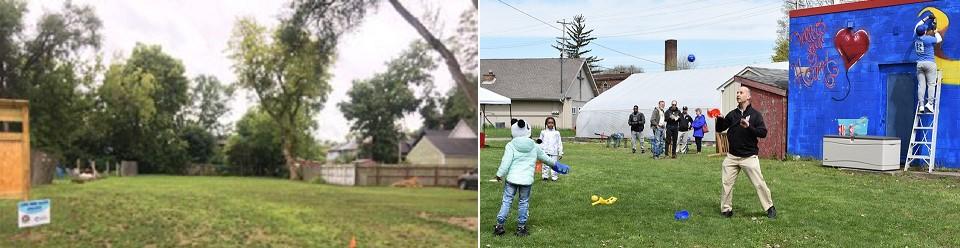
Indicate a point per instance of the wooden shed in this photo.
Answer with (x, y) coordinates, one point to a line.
(768, 90)
(14, 149)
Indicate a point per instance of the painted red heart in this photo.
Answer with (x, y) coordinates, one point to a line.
(851, 45)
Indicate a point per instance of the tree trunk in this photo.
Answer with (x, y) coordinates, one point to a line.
(292, 165)
(451, 60)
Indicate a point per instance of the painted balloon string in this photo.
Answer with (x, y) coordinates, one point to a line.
(845, 95)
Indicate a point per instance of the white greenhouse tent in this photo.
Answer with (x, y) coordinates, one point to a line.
(487, 97)
(608, 112)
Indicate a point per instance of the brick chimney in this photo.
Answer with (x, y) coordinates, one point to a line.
(489, 78)
(670, 55)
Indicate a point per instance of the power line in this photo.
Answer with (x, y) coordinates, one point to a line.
(513, 46)
(738, 13)
(594, 42)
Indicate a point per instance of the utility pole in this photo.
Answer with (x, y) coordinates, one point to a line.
(563, 38)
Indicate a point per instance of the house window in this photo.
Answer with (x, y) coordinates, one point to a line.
(574, 110)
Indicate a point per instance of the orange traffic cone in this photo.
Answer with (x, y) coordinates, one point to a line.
(353, 242)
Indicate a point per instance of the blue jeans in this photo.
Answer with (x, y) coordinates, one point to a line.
(657, 141)
(509, 190)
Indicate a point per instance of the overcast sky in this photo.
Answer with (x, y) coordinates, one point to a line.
(196, 32)
(719, 32)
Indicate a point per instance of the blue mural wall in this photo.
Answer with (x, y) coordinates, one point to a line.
(838, 72)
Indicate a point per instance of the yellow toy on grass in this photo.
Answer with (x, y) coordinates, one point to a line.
(599, 200)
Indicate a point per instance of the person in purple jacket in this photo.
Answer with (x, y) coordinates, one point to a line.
(699, 124)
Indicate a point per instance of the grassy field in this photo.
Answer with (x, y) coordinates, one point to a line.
(535, 132)
(172, 211)
(817, 206)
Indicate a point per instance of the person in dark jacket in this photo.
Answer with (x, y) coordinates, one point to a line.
(744, 126)
(673, 125)
(699, 126)
(686, 124)
(636, 122)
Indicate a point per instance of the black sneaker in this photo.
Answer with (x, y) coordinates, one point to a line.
(772, 212)
(546, 179)
(634, 150)
(498, 230)
(522, 231)
(642, 151)
(727, 214)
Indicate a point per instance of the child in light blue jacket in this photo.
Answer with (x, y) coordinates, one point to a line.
(518, 165)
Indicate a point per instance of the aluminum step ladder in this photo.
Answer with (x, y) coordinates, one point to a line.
(927, 133)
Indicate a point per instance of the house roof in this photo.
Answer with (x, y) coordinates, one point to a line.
(348, 146)
(770, 72)
(773, 77)
(534, 78)
(463, 130)
(453, 146)
(612, 76)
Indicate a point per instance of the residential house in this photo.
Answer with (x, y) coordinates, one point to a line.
(538, 88)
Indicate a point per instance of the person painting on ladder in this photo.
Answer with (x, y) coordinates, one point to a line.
(927, 38)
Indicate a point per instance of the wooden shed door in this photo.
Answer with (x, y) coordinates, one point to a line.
(12, 178)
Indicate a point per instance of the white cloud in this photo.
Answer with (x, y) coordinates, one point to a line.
(196, 32)
(643, 20)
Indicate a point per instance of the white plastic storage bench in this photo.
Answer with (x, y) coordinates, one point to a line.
(863, 152)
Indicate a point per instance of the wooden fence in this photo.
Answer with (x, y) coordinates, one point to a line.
(385, 174)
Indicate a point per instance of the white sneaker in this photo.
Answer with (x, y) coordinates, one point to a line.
(929, 106)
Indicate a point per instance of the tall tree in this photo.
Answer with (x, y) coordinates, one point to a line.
(209, 98)
(456, 109)
(782, 48)
(430, 112)
(47, 70)
(376, 104)
(576, 39)
(453, 64)
(254, 149)
(288, 71)
(201, 144)
(11, 14)
(329, 16)
(141, 99)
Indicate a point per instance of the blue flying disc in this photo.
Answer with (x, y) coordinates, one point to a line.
(681, 215)
(691, 58)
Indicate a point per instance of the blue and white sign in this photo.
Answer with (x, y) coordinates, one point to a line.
(33, 213)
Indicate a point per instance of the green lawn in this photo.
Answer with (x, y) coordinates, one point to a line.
(818, 206)
(535, 132)
(174, 211)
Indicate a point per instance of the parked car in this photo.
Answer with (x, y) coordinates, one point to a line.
(468, 180)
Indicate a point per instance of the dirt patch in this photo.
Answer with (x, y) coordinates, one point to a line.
(33, 237)
(469, 223)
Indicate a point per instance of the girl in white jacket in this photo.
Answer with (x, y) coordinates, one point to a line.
(551, 145)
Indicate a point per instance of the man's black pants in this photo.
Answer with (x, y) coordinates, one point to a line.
(672, 133)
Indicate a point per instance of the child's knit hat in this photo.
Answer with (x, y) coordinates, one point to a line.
(519, 128)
